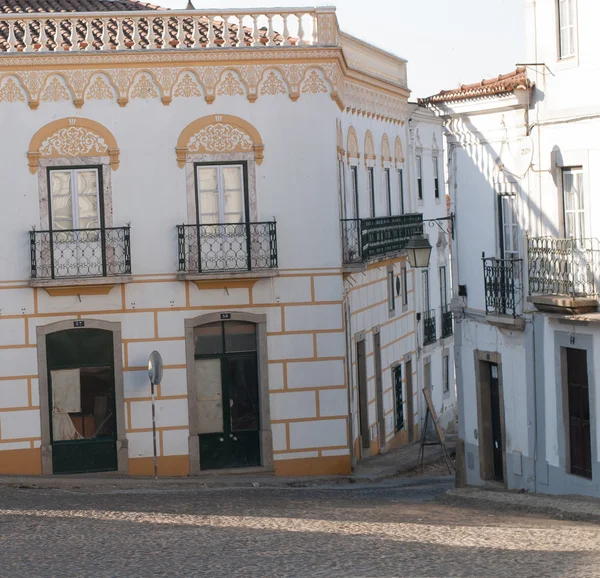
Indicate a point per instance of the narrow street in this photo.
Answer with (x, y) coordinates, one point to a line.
(401, 527)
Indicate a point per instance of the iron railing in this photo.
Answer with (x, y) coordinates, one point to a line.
(502, 280)
(364, 239)
(429, 333)
(447, 328)
(227, 247)
(65, 254)
(564, 266)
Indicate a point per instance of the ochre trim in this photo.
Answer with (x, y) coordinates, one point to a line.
(352, 144)
(226, 283)
(167, 466)
(50, 129)
(324, 466)
(79, 290)
(22, 462)
(218, 119)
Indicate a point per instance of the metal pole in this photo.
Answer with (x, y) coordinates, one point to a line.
(154, 432)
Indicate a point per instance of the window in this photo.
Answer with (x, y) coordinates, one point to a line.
(572, 182)
(436, 178)
(397, 375)
(425, 277)
(446, 373)
(391, 291)
(419, 179)
(443, 287)
(354, 176)
(371, 185)
(401, 189)
(220, 193)
(404, 287)
(509, 227)
(566, 25)
(75, 199)
(388, 191)
(342, 189)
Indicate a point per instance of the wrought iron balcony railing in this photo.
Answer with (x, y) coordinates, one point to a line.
(502, 279)
(564, 266)
(429, 333)
(447, 328)
(64, 254)
(364, 239)
(227, 247)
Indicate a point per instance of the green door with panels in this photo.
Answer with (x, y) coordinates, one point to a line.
(227, 397)
(81, 394)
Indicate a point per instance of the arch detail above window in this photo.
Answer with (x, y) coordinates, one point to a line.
(72, 137)
(369, 147)
(398, 154)
(386, 155)
(221, 133)
(352, 144)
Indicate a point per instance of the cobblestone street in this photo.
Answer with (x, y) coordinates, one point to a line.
(403, 527)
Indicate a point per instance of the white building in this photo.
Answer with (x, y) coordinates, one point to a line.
(170, 187)
(523, 153)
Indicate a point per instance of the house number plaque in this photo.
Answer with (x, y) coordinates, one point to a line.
(78, 323)
(225, 315)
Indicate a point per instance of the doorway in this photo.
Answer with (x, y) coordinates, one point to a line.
(379, 390)
(227, 397)
(82, 401)
(363, 401)
(580, 449)
(228, 392)
(409, 401)
(490, 416)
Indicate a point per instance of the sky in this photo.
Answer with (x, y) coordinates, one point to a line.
(446, 42)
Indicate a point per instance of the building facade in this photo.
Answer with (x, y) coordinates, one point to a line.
(522, 152)
(176, 184)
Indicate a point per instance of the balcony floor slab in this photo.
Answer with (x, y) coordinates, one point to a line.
(564, 304)
(80, 285)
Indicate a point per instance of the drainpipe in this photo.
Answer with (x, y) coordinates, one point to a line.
(535, 420)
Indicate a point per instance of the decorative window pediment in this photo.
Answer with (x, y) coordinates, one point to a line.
(72, 137)
(398, 154)
(216, 134)
(352, 145)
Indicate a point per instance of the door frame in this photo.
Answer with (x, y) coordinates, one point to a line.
(484, 424)
(115, 329)
(265, 437)
(362, 386)
(381, 433)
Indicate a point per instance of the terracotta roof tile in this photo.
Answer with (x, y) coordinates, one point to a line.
(31, 6)
(503, 84)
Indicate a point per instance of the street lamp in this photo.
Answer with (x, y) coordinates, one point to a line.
(418, 251)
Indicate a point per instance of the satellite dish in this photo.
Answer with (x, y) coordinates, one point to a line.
(516, 156)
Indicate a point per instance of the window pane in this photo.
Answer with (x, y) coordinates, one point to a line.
(240, 336)
(209, 204)
(207, 179)
(208, 339)
(62, 199)
(87, 196)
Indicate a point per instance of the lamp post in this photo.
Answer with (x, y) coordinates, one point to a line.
(418, 251)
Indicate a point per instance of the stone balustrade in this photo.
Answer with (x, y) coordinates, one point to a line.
(167, 30)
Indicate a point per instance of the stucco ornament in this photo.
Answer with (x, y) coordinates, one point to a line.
(11, 92)
(219, 134)
(220, 138)
(73, 141)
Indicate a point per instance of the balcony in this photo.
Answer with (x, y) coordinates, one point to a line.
(502, 280)
(227, 250)
(91, 260)
(429, 332)
(447, 328)
(564, 274)
(378, 237)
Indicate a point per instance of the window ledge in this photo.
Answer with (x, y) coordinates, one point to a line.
(80, 285)
(228, 279)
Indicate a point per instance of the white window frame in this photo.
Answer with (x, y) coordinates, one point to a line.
(436, 178)
(220, 190)
(419, 169)
(426, 293)
(508, 222)
(371, 188)
(567, 29)
(579, 212)
(391, 288)
(75, 195)
(404, 281)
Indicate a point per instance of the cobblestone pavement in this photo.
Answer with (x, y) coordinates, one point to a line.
(403, 527)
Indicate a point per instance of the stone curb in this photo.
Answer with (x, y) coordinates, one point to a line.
(573, 508)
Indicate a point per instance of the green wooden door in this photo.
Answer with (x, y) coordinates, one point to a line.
(227, 395)
(81, 394)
